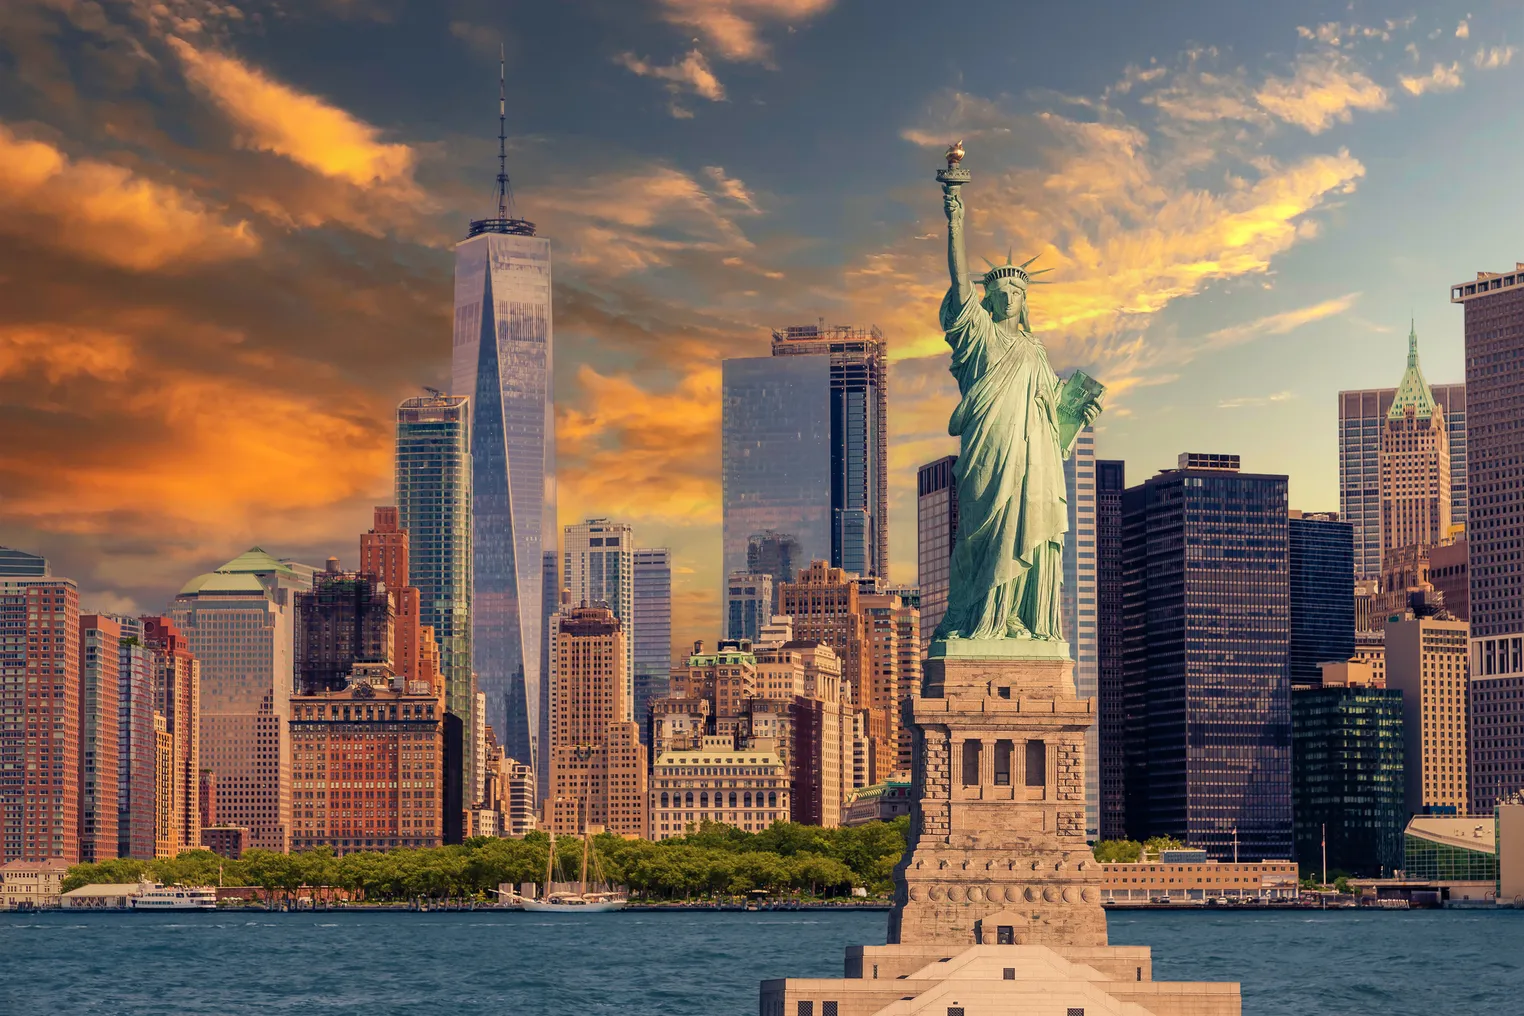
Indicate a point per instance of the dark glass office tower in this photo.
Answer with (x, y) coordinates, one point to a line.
(1347, 747)
(775, 457)
(936, 529)
(1322, 595)
(1110, 482)
(1206, 632)
(859, 409)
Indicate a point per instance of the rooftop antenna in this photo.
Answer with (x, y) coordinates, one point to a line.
(506, 220)
(504, 191)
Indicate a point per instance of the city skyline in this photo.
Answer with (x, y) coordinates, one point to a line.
(696, 256)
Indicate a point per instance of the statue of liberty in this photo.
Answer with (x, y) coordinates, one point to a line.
(1016, 422)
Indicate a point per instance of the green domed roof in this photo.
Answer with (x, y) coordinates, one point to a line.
(1413, 390)
(240, 575)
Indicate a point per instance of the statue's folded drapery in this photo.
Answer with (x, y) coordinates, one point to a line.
(1008, 555)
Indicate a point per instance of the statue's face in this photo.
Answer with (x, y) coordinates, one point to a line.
(1005, 299)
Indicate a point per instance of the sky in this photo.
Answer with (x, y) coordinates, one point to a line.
(226, 235)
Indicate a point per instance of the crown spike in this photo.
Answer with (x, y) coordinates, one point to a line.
(1029, 260)
(1009, 255)
(986, 261)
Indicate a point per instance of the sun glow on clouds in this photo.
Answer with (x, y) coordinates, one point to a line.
(733, 27)
(303, 128)
(106, 213)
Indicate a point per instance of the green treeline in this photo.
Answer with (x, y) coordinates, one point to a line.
(1131, 851)
(714, 860)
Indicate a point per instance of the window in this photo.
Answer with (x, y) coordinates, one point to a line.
(732, 798)
(1005, 934)
(747, 798)
(806, 1008)
(827, 1009)
(772, 799)
(971, 751)
(1003, 750)
(1037, 763)
(1009, 973)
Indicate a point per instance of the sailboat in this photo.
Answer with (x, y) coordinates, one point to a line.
(580, 902)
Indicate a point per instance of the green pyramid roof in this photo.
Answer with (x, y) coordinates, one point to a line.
(1413, 390)
(239, 574)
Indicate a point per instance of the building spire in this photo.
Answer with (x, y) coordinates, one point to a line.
(504, 190)
(506, 219)
(1412, 343)
(1413, 391)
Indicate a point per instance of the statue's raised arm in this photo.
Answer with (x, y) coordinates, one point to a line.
(953, 178)
(1015, 423)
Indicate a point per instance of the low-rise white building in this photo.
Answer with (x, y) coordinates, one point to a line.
(32, 885)
(104, 895)
(747, 788)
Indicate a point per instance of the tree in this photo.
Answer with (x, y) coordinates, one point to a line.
(1118, 851)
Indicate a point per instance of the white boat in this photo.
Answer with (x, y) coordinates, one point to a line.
(581, 902)
(175, 897)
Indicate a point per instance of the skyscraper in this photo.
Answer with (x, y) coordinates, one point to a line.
(775, 456)
(597, 763)
(1110, 483)
(99, 743)
(1362, 420)
(504, 363)
(346, 618)
(39, 698)
(176, 677)
(652, 621)
(1080, 625)
(1415, 464)
(749, 603)
(1322, 552)
(239, 622)
(1426, 661)
(936, 527)
(1206, 627)
(1494, 308)
(598, 566)
(136, 743)
(859, 439)
(434, 508)
(1347, 773)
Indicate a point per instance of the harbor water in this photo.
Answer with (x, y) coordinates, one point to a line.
(1290, 963)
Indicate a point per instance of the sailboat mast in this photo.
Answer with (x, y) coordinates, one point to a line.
(587, 848)
(550, 864)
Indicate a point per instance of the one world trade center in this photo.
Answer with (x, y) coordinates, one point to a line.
(503, 361)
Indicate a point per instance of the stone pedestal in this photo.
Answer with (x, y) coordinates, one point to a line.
(997, 826)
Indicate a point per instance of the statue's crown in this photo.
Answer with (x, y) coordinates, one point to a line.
(1009, 270)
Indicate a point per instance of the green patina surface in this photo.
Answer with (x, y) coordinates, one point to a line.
(1016, 422)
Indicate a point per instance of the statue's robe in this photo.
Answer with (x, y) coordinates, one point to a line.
(1012, 513)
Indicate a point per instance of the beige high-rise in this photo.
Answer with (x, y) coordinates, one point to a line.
(1429, 661)
(597, 763)
(1415, 465)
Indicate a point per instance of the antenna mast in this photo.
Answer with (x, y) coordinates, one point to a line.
(506, 221)
(504, 192)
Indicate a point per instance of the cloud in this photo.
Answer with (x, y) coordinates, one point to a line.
(108, 214)
(1463, 30)
(734, 27)
(315, 134)
(731, 188)
(1254, 401)
(642, 453)
(1281, 323)
(1324, 89)
(1441, 79)
(689, 75)
(1491, 58)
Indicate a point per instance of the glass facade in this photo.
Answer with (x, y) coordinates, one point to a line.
(1431, 861)
(859, 409)
(1348, 775)
(775, 455)
(936, 528)
(749, 603)
(1362, 417)
(1079, 606)
(1322, 595)
(503, 362)
(1110, 482)
(1206, 627)
(598, 567)
(434, 507)
(652, 622)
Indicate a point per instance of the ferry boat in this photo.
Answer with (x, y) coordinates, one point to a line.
(175, 897)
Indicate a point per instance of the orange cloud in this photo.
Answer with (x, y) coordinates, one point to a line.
(734, 27)
(276, 118)
(690, 74)
(106, 213)
(1325, 89)
(1442, 78)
